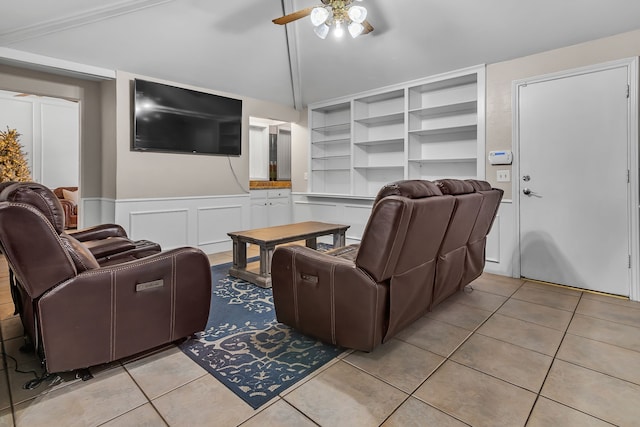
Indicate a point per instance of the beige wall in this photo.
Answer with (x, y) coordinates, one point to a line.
(300, 153)
(149, 175)
(88, 94)
(501, 75)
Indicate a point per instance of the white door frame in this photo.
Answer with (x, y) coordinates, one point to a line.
(632, 139)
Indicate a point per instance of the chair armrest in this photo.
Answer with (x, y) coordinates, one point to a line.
(328, 297)
(112, 312)
(99, 232)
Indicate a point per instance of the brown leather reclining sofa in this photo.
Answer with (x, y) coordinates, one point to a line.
(424, 241)
(82, 308)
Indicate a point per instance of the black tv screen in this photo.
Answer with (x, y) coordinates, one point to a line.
(173, 119)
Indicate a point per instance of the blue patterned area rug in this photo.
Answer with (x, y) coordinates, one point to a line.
(246, 348)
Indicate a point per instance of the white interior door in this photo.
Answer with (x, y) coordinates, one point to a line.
(573, 183)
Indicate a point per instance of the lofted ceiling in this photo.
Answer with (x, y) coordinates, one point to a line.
(233, 46)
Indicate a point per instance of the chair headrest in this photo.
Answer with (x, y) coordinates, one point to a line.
(479, 185)
(411, 189)
(38, 196)
(455, 186)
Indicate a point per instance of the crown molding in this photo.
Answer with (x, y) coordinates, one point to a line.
(76, 20)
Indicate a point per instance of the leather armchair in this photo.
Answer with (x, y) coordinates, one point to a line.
(69, 207)
(79, 313)
(419, 247)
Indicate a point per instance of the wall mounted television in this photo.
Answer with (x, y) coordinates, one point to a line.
(177, 120)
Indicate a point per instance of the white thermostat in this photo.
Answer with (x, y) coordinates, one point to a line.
(504, 157)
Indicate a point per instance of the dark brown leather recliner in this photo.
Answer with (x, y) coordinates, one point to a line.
(362, 302)
(453, 251)
(78, 313)
(361, 295)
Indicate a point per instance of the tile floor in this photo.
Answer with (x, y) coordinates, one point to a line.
(509, 353)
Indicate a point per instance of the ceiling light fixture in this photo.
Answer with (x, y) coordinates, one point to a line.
(335, 15)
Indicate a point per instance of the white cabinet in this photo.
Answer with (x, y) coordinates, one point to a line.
(425, 129)
(270, 207)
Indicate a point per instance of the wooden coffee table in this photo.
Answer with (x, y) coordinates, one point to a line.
(259, 272)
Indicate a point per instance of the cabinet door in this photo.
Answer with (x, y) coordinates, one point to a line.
(259, 209)
(279, 204)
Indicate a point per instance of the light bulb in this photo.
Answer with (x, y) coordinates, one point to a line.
(339, 30)
(357, 14)
(355, 29)
(319, 15)
(321, 31)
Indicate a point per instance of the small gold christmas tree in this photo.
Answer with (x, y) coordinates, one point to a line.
(13, 164)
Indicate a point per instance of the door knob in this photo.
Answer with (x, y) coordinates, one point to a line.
(526, 191)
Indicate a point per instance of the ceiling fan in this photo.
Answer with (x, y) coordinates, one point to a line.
(339, 15)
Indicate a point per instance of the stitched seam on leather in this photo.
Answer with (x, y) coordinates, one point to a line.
(295, 290)
(333, 304)
(113, 316)
(172, 327)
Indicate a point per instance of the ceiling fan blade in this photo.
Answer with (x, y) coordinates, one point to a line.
(367, 28)
(293, 16)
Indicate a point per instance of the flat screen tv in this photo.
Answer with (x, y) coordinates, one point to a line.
(177, 120)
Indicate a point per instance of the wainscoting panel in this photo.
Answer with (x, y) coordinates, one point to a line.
(209, 219)
(356, 216)
(501, 242)
(173, 223)
(185, 221)
(96, 210)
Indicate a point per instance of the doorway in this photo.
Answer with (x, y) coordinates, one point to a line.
(577, 178)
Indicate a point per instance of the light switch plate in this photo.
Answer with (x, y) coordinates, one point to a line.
(503, 175)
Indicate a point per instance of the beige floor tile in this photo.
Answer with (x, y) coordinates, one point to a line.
(461, 315)
(200, 402)
(524, 334)
(490, 284)
(605, 331)
(433, 335)
(398, 363)
(476, 398)
(546, 297)
(501, 278)
(5, 398)
(596, 394)
(414, 413)
(345, 396)
(220, 258)
(548, 413)
(612, 300)
(11, 328)
(6, 418)
(83, 403)
(6, 310)
(550, 287)
(142, 416)
(516, 365)
(611, 312)
(162, 372)
(280, 414)
(606, 358)
(478, 299)
(535, 313)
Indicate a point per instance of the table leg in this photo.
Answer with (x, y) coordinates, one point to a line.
(339, 239)
(312, 243)
(266, 254)
(239, 254)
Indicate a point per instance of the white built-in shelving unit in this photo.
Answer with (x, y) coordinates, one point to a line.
(424, 129)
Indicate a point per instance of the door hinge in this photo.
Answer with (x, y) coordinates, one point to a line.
(628, 91)
(628, 176)
(629, 265)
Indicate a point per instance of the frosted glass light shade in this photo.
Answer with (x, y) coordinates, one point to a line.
(321, 31)
(355, 29)
(319, 15)
(338, 31)
(357, 14)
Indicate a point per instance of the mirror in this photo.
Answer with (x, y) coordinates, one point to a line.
(269, 150)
